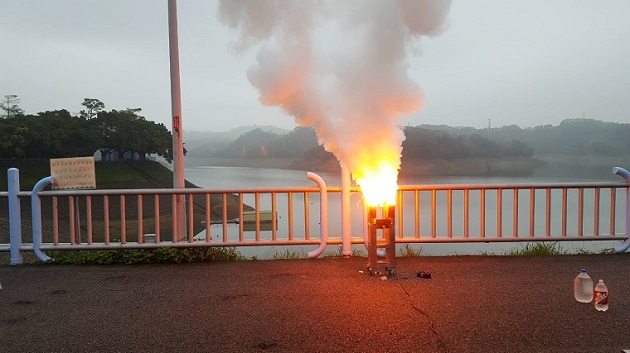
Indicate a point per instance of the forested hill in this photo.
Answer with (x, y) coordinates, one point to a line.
(571, 137)
(301, 143)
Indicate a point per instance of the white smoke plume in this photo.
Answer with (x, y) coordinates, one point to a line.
(340, 67)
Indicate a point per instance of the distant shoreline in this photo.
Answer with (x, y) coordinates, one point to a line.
(548, 165)
(467, 167)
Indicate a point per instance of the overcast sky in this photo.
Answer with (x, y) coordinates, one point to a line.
(528, 63)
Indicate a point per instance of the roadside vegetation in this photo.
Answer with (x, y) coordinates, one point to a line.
(220, 254)
(409, 251)
(539, 249)
(544, 249)
(338, 252)
(145, 256)
(289, 255)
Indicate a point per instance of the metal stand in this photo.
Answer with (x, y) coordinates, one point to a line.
(386, 225)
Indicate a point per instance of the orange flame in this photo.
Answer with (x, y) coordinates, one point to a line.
(378, 182)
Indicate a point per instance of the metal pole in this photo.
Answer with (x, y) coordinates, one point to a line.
(15, 217)
(346, 222)
(179, 228)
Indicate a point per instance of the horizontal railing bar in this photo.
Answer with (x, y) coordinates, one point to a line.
(19, 194)
(196, 244)
(461, 239)
(330, 241)
(461, 187)
(428, 187)
(179, 191)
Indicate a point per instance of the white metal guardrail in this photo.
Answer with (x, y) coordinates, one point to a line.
(141, 218)
(508, 213)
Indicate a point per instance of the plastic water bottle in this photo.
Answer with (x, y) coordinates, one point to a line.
(583, 287)
(601, 296)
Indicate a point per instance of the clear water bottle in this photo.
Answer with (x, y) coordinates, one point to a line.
(601, 296)
(583, 287)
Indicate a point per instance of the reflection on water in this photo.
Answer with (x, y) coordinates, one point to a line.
(221, 178)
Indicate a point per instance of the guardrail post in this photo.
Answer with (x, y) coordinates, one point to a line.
(15, 216)
(36, 207)
(626, 244)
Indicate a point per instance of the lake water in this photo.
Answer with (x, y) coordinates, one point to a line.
(221, 178)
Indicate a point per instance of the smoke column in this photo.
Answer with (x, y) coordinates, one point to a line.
(340, 67)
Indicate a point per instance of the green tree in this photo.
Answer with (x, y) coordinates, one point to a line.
(126, 131)
(57, 134)
(10, 106)
(12, 139)
(93, 105)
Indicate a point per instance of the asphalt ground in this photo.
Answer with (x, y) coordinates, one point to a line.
(470, 304)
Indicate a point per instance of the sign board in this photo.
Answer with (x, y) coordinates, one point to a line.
(73, 173)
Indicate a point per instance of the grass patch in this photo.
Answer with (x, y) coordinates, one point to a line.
(538, 249)
(409, 251)
(339, 253)
(108, 174)
(288, 255)
(30, 173)
(145, 256)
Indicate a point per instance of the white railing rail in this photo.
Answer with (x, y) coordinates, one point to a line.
(510, 213)
(123, 196)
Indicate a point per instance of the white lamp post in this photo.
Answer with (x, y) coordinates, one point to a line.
(179, 229)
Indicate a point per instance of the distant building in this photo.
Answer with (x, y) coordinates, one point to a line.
(113, 156)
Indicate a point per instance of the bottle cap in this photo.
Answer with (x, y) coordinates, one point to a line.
(583, 270)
